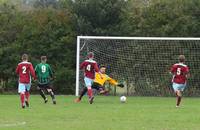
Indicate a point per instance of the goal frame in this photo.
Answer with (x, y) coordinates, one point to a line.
(116, 38)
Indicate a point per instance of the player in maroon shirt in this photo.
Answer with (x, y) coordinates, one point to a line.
(25, 70)
(90, 67)
(180, 73)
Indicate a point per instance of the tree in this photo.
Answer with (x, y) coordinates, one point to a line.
(98, 17)
(165, 18)
(37, 32)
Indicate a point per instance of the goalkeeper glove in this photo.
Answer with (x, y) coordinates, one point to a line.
(120, 85)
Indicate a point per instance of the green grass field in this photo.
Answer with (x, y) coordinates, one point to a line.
(107, 113)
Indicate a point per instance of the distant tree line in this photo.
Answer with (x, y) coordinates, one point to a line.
(50, 27)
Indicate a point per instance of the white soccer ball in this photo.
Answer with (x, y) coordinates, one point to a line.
(123, 99)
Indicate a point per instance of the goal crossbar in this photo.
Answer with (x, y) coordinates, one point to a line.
(138, 38)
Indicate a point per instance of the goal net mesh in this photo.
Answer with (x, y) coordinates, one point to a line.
(143, 65)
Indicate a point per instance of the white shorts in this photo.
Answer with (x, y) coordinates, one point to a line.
(22, 87)
(179, 87)
(88, 82)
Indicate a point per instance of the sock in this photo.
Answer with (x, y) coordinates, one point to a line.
(178, 100)
(90, 94)
(22, 97)
(42, 94)
(27, 95)
(52, 95)
(83, 92)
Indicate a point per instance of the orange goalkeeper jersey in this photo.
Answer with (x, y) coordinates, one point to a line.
(104, 78)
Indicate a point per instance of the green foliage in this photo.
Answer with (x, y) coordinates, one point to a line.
(98, 17)
(165, 18)
(49, 27)
(38, 32)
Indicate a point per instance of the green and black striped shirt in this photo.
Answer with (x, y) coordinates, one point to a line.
(44, 73)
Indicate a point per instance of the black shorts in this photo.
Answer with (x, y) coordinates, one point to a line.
(45, 86)
(97, 86)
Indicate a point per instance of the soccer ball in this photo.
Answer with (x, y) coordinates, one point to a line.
(122, 99)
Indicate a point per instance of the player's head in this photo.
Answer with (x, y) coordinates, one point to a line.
(181, 58)
(24, 57)
(103, 69)
(43, 59)
(90, 55)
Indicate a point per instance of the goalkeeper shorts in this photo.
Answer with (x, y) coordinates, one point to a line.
(97, 86)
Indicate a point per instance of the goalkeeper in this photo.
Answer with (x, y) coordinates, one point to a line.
(99, 82)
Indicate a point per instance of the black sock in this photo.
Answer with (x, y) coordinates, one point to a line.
(52, 95)
(42, 94)
(83, 92)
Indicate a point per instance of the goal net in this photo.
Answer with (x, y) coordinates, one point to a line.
(141, 63)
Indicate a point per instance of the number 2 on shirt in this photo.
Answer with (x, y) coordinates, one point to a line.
(23, 69)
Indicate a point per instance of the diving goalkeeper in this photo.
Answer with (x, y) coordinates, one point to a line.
(99, 82)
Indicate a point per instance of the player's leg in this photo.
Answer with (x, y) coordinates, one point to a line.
(103, 91)
(98, 87)
(21, 91)
(41, 90)
(178, 97)
(178, 88)
(83, 92)
(50, 91)
(179, 93)
(88, 83)
(27, 94)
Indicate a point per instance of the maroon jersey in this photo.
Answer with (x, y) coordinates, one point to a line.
(25, 70)
(90, 67)
(179, 72)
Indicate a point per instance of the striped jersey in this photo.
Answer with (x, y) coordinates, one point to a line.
(44, 73)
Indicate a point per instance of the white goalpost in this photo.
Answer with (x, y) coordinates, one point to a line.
(141, 63)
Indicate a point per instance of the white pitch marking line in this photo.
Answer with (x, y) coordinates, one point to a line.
(12, 124)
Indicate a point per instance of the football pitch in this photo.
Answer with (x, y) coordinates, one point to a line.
(107, 113)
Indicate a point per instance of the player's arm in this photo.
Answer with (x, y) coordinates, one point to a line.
(187, 74)
(50, 72)
(82, 65)
(17, 70)
(96, 68)
(172, 70)
(32, 71)
(36, 71)
(114, 82)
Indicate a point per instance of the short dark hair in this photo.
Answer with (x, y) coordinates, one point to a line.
(102, 66)
(24, 57)
(181, 58)
(43, 58)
